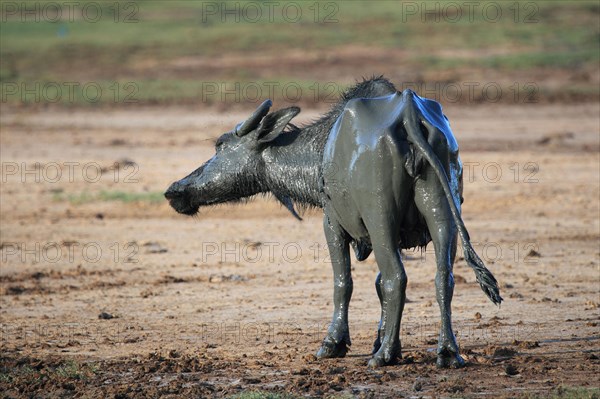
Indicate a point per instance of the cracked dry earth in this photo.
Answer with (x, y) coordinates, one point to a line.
(106, 292)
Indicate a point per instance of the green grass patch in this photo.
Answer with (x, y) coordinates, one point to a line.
(75, 371)
(263, 395)
(569, 393)
(161, 29)
(9, 375)
(153, 197)
(69, 370)
(271, 395)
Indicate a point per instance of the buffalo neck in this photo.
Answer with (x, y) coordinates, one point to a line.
(293, 164)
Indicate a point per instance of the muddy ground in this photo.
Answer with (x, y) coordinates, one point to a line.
(106, 292)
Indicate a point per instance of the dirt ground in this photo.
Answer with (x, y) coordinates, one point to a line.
(109, 298)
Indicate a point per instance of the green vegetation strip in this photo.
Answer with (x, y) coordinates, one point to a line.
(85, 197)
(69, 370)
(558, 393)
(563, 392)
(127, 55)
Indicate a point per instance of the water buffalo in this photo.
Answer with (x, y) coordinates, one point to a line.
(384, 167)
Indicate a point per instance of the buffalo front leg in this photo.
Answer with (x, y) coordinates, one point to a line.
(432, 204)
(337, 341)
(377, 343)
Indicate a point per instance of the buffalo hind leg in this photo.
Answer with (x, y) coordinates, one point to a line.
(393, 293)
(337, 341)
(432, 204)
(448, 351)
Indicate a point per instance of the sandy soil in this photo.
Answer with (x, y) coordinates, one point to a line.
(113, 299)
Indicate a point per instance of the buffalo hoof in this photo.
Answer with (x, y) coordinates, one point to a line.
(378, 361)
(450, 361)
(387, 358)
(331, 349)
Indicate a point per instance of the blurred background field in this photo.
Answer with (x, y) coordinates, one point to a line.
(195, 52)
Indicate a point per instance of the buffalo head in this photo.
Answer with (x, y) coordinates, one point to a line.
(236, 170)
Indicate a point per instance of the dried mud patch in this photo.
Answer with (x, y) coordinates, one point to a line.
(172, 374)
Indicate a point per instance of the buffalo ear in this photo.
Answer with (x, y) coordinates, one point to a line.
(252, 122)
(273, 124)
